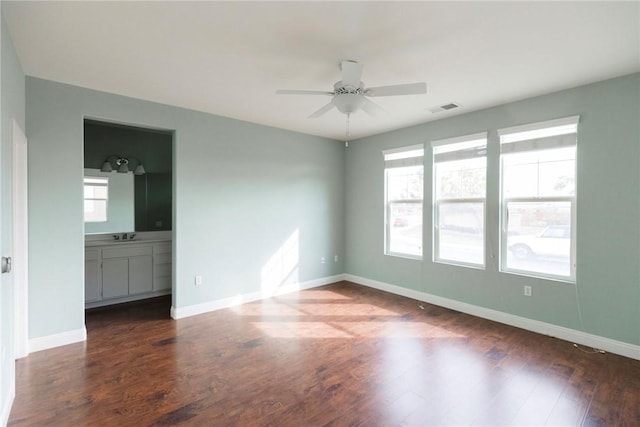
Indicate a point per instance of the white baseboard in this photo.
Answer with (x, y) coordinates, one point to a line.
(57, 340)
(612, 346)
(7, 403)
(193, 310)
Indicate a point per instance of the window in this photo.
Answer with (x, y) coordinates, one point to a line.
(538, 180)
(459, 191)
(403, 172)
(96, 191)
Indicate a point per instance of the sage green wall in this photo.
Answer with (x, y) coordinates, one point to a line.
(12, 108)
(608, 214)
(240, 192)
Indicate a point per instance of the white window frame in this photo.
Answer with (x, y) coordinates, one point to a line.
(518, 139)
(463, 147)
(104, 183)
(401, 157)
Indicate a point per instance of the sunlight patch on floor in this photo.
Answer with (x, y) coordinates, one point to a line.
(364, 329)
(266, 309)
(390, 329)
(300, 330)
(315, 295)
(345, 310)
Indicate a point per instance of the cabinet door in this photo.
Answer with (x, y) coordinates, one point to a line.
(92, 276)
(115, 277)
(140, 274)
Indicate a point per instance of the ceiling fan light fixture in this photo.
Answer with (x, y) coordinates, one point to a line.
(348, 103)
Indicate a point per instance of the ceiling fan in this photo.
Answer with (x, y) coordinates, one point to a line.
(350, 94)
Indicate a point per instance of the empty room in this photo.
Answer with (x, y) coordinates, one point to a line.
(320, 213)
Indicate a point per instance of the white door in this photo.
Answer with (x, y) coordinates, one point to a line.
(20, 243)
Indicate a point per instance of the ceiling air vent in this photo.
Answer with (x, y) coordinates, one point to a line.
(445, 107)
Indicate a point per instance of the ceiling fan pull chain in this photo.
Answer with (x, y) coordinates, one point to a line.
(346, 143)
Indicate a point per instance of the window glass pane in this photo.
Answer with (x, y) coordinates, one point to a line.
(95, 192)
(95, 210)
(545, 173)
(461, 232)
(405, 183)
(461, 179)
(405, 228)
(88, 191)
(539, 237)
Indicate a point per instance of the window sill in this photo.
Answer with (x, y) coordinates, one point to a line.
(405, 256)
(532, 275)
(460, 264)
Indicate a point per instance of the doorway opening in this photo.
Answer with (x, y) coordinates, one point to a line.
(128, 213)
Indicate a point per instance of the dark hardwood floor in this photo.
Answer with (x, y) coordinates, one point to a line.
(339, 355)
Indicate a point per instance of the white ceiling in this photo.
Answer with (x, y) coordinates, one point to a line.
(228, 58)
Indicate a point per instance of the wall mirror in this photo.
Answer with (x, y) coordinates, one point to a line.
(137, 165)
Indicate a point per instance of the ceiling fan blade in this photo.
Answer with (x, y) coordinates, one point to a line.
(322, 111)
(351, 73)
(405, 89)
(301, 92)
(372, 109)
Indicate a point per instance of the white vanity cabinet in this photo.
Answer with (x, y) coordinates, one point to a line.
(124, 272)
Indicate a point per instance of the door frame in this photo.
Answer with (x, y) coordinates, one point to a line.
(20, 242)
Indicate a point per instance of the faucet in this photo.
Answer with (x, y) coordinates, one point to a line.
(124, 236)
(116, 237)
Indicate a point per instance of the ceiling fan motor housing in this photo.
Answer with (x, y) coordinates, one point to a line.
(348, 99)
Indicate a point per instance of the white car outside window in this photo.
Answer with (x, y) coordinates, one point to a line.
(554, 241)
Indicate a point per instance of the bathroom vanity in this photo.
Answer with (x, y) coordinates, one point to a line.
(119, 271)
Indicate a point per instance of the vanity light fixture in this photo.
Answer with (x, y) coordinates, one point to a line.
(123, 165)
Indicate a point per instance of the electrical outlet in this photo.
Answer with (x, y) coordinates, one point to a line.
(527, 291)
(335, 258)
(323, 260)
(198, 280)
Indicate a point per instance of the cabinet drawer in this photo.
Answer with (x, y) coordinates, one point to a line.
(129, 251)
(162, 248)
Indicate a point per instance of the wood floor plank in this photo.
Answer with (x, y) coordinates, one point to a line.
(338, 355)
